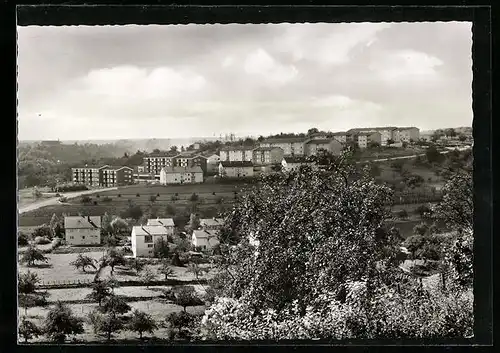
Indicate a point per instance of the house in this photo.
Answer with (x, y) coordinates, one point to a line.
(144, 237)
(292, 163)
(406, 134)
(87, 175)
(83, 230)
(213, 160)
(168, 223)
(363, 139)
(190, 160)
(116, 176)
(211, 223)
(154, 162)
(205, 239)
(236, 169)
(181, 175)
(291, 146)
(331, 145)
(340, 137)
(236, 154)
(267, 155)
(386, 133)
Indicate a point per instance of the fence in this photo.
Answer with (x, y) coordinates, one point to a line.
(87, 282)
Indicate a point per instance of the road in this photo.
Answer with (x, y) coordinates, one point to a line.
(55, 200)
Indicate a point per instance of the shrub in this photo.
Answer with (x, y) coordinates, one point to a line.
(95, 203)
(22, 239)
(137, 195)
(42, 240)
(85, 199)
(107, 199)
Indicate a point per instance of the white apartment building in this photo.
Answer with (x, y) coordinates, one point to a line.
(236, 154)
(82, 230)
(144, 237)
(168, 223)
(181, 175)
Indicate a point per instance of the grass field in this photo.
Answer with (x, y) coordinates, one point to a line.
(26, 196)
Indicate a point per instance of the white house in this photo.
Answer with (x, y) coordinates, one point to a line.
(83, 230)
(181, 175)
(293, 163)
(236, 169)
(205, 239)
(168, 223)
(144, 237)
(211, 223)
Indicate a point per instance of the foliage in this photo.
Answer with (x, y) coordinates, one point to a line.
(195, 269)
(100, 291)
(70, 187)
(141, 322)
(423, 210)
(160, 248)
(421, 229)
(83, 261)
(60, 322)
(85, 199)
(28, 329)
(116, 305)
(433, 155)
(147, 275)
(27, 282)
(41, 240)
(33, 255)
(186, 296)
(43, 231)
(402, 214)
(119, 226)
(183, 325)
(133, 211)
(22, 239)
(166, 270)
(194, 221)
(113, 258)
(108, 324)
(194, 197)
(137, 264)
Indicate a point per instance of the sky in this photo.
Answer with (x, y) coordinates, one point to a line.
(177, 81)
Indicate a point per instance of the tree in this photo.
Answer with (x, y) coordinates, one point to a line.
(390, 141)
(106, 227)
(182, 325)
(33, 255)
(36, 193)
(83, 261)
(433, 155)
(176, 261)
(147, 275)
(27, 282)
(115, 305)
(60, 322)
(100, 291)
(43, 231)
(450, 132)
(109, 324)
(194, 197)
(373, 144)
(22, 239)
(462, 138)
(185, 296)
(312, 131)
(137, 264)
(194, 221)
(402, 214)
(173, 148)
(423, 211)
(119, 226)
(141, 322)
(170, 209)
(54, 224)
(161, 249)
(421, 229)
(166, 270)
(113, 258)
(28, 330)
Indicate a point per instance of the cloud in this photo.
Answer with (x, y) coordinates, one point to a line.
(327, 44)
(228, 61)
(260, 63)
(137, 84)
(406, 65)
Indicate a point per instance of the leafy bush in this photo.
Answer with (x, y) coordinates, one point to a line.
(22, 239)
(85, 199)
(42, 240)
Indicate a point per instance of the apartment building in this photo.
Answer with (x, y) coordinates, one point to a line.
(168, 223)
(82, 230)
(190, 160)
(330, 145)
(154, 162)
(363, 139)
(340, 137)
(406, 134)
(212, 159)
(386, 133)
(204, 239)
(112, 176)
(236, 169)
(267, 155)
(88, 175)
(293, 163)
(236, 154)
(291, 146)
(181, 175)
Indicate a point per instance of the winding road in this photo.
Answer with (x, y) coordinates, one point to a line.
(55, 200)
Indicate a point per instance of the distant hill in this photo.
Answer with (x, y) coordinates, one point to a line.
(466, 130)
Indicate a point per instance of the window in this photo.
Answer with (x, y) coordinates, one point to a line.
(150, 245)
(148, 238)
(71, 237)
(83, 236)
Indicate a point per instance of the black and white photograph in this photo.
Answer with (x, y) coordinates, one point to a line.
(244, 182)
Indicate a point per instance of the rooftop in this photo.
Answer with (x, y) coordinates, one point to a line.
(163, 154)
(296, 159)
(205, 233)
(170, 170)
(267, 148)
(210, 221)
(82, 222)
(166, 222)
(116, 167)
(285, 139)
(237, 148)
(237, 164)
(149, 230)
(361, 129)
(319, 141)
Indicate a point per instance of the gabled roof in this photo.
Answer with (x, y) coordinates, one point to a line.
(267, 148)
(91, 166)
(338, 133)
(117, 167)
(82, 222)
(320, 141)
(149, 230)
(285, 140)
(236, 164)
(171, 170)
(207, 154)
(210, 222)
(296, 159)
(205, 233)
(165, 222)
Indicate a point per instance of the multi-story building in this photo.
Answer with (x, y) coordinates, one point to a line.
(116, 176)
(267, 155)
(330, 145)
(204, 239)
(213, 160)
(168, 223)
(88, 175)
(181, 175)
(144, 238)
(211, 223)
(386, 133)
(291, 146)
(236, 154)
(189, 160)
(236, 169)
(340, 137)
(293, 163)
(363, 139)
(155, 161)
(406, 134)
(82, 230)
